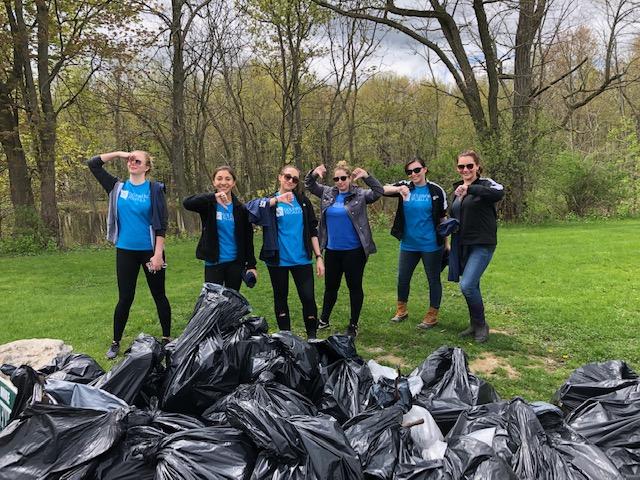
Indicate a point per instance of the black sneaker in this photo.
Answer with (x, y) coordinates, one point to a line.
(113, 350)
(352, 330)
(322, 324)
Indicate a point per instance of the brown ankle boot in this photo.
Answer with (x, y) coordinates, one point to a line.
(401, 312)
(430, 318)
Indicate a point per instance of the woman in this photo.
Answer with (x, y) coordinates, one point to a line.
(290, 239)
(136, 224)
(475, 241)
(422, 205)
(345, 235)
(226, 242)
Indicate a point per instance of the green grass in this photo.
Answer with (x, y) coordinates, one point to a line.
(557, 297)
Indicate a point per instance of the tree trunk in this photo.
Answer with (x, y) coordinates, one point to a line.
(178, 112)
(19, 179)
(46, 129)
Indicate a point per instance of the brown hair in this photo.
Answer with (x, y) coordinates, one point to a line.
(415, 159)
(298, 187)
(474, 155)
(224, 168)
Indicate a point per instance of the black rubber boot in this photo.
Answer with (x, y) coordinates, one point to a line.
(478, 321)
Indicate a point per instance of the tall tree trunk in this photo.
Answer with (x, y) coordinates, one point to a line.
(178, 111)
(19, 179)
(47, 128)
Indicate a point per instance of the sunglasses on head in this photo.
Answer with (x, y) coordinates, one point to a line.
(291, 178)
(413, 170)
(468, 166)
(135, 161)
(342, 178)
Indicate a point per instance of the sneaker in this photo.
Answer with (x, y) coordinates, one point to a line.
(165, 341)
(352, 330)
(322, 324)
(113, 350)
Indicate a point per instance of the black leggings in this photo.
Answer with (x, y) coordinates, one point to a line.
(128, 264)
(228, 274)
(303, 278)
(351, 263)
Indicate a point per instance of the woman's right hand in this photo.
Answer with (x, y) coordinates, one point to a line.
(285, 198)
(222, 199)
(320, 171)
(404, 191)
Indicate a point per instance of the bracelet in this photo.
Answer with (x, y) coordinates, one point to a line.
(319, 256)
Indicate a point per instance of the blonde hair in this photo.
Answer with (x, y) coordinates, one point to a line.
(343, 165)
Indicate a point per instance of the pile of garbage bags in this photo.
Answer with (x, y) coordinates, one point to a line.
(226, 400)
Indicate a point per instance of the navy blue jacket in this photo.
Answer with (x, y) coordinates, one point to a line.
(264, 215)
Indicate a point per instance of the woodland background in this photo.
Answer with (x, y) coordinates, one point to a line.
(548, 91)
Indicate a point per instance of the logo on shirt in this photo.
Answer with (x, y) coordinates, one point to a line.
(288, 210)
(224, 216)
(420, 197)
(133, 196)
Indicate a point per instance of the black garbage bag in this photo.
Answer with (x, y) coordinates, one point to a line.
(51, 439)
(138, 377)
(449, 388)
(24, 378)
(375, 437)
(77, 395)
(266, 394)
(200, 370)
(73, 367)
(335, 348)
(298, 446)
(346, 388)
(466, 458)
(593, 380)
(612, 422)
(518, 437)
(211, 452)
(248, 327)
(386, 392)
(293, 362)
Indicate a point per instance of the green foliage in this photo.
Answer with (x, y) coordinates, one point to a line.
(586, 183)
(27, 244)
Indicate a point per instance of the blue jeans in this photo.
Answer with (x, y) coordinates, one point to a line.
(432, 262)
(478, 259)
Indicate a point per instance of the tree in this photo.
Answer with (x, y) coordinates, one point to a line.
(467, 38)
(51, 37)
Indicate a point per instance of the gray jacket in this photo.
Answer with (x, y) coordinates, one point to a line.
(356, 204)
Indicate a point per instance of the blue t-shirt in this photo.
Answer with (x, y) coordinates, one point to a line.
(340, 230)
(290, 234)
(225, 224)
(134, 217)
(419, 233)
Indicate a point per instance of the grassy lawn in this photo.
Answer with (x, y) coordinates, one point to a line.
(556, 297)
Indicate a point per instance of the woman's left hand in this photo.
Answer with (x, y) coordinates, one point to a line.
(358, 173)
(320, 266)
(155, 263)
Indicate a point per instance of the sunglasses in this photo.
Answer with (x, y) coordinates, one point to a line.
(291, 178)
(413, 170)
(342, 178)
(468, 166)
(135, 161)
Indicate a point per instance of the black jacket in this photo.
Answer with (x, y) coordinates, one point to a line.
(438, 208)
(264, 215)
(209, 247)
(478, 216)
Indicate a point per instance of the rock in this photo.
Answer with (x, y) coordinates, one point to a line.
(36, 352)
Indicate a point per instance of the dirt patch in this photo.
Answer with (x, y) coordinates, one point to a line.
(391, 359)
(501, 332)
(374, 350)
(549, 364)
(489, 364)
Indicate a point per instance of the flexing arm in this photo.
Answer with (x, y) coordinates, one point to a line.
(492, 191)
